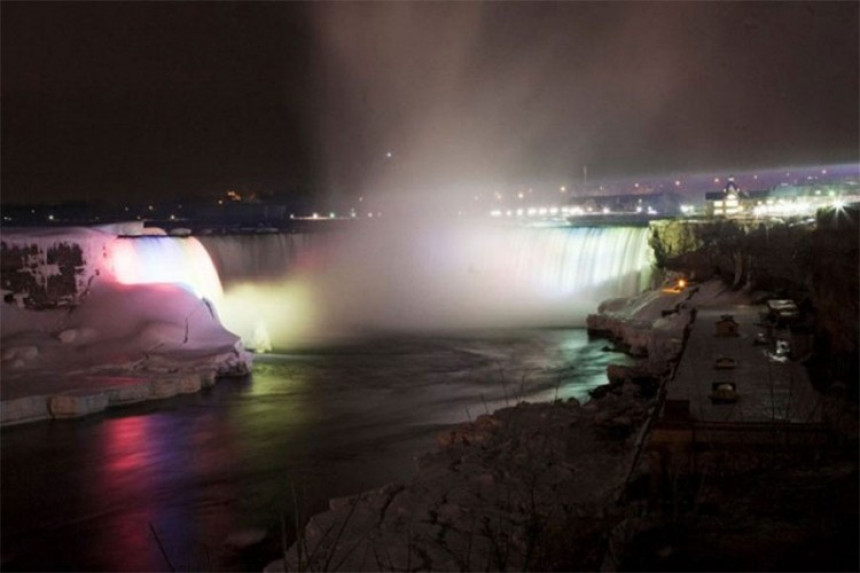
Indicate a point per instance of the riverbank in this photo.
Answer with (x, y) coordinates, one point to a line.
(529, 487)
(567, 486)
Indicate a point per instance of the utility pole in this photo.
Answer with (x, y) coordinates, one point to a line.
(585, 176)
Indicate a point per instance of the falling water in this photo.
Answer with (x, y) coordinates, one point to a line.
(428, 278)
(161, 259)
(570, 261)
(255, 257)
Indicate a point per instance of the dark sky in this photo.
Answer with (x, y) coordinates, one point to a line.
(167, 99)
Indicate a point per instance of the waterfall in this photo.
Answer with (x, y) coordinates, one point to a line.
(491, 276)
(162, 259)
(293, 287)
(269, 256)
(428, 277)
(567, 261)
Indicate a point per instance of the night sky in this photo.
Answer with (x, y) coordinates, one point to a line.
(140, 100)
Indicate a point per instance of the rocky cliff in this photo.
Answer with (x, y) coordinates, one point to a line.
(761, 254)
(813, 261)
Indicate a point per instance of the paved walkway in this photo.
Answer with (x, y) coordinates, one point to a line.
(770, 389)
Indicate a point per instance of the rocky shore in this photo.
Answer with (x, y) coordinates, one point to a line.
(530, 487)
(565, 486)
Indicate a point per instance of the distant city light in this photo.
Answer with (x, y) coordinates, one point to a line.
(389, 155)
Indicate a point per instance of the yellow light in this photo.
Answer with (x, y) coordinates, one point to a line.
(266, 315)
(682, 284)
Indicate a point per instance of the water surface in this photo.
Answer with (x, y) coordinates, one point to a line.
(88, 494)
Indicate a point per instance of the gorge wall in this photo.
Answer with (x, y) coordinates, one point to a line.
(816, 262)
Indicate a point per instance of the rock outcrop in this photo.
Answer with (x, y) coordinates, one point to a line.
(759, 254)
(650, 325)
(528, 487)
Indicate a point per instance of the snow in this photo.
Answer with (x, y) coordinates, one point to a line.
(139, 310)
(141, 321)
(118, 328)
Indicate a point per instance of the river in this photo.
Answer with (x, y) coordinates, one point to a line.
(163, 484)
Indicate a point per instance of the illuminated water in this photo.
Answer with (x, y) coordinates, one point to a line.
(424, 278)
(161, 259)
(82, 494)
(88, 494)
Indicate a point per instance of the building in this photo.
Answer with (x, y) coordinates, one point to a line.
(784, 200)
(731, 201)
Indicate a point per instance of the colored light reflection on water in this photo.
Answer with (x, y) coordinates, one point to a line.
(328, 422)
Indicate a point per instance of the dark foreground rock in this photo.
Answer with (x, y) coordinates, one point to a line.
(528, 487)
(561, 486)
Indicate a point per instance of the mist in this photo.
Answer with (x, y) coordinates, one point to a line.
(475, 96)
(429, 275)
(425, 109)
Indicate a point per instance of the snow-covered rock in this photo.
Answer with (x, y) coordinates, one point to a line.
(122, 344)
